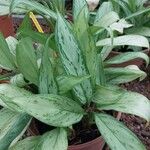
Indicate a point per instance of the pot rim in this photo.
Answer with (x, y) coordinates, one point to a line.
(116, 52)
(87, 143)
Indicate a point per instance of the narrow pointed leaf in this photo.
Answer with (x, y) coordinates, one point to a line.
(144, 31)
(11, 125)
(116, 134)
(138, 13)
(53, 140)
(110, 98)
(133, 40)
(72, 58)
(104, 9)
(6, 60)
(87, 45)
(124, 75)
(124, 57)
(47, 84)
(33, 5)
(78, 5)
(26, 60)
(56, 110)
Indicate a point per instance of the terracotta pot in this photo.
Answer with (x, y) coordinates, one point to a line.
(6, 26)
(4, 81)
(138, 61)
(96, 144)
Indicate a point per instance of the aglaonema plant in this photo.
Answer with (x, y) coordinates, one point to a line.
(74, 82)
(132, 11)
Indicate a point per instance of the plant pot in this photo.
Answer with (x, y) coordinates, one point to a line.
(6, 26)
(138, 61)
(96, 144)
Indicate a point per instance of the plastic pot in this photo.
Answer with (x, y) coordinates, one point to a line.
(96, 144)
(6, 26)
(138, 61)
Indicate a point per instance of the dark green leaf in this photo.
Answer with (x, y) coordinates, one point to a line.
(6, 60)
(26, 60)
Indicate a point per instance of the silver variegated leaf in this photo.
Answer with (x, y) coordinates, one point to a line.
(112, 98)
(53, 140)
(11, 126)
(117, 135)
(72, 58)
(56, 111)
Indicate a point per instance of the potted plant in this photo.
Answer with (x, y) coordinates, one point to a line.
(6, 24)
(136, 14)
(101, 24)
(66, 83)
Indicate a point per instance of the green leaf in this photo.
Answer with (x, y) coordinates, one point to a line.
(26, 24)
(4, 8)
(106, 51)
(47, 84)
(107, 20)
(124, 57)
(53, 140)
(111, 98)
(11, 125)
(33, 5)
(66, 83)
(12, 44)
(116, 134)
(138, 13)
(18, 80)
(105, 8)
(26, 60)
(144, 31)
(133, 40)
(6, 60)
(8, 91)
(87, 45)
(56, 110)
(78, 5)
(120, 26)
(124, 75)
(72, 58)
(35, 36)
(26, 144)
